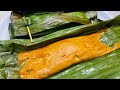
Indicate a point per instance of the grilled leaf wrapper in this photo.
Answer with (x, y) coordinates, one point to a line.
(38, 22)
(6, 47)
(104, 67)
(112, 36)
(9, 68)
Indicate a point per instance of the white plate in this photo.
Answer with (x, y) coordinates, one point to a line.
(106, 15)
(5, 20)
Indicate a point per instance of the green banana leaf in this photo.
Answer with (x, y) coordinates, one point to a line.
(6, 47)
(41, 22)
(26, 44)
(111, 36)
(104, 67)
(9, 68)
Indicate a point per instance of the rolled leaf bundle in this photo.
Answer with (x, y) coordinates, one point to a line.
(38, 22)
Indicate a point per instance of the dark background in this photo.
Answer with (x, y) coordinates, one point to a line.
(60, 5)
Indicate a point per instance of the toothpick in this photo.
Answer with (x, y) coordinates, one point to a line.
(28, 29)
(29, 34)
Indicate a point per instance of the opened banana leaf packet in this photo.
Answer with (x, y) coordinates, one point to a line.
(66, 45)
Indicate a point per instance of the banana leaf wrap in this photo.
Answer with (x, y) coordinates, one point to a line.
(111, 36)
(41, 22)
(9, 68)
(6, 47)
